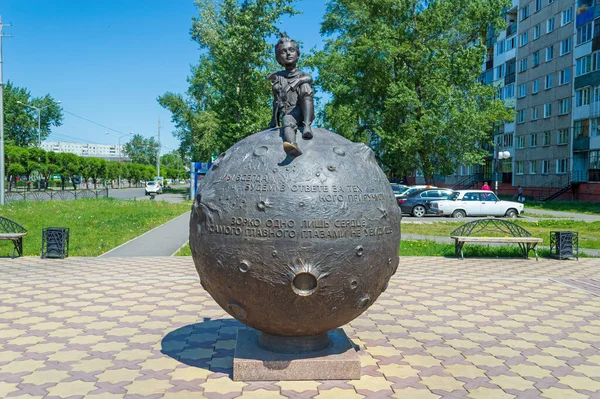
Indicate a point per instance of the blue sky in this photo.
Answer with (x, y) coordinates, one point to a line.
(107, 61)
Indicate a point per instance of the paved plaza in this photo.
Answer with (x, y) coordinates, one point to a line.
(144, 328)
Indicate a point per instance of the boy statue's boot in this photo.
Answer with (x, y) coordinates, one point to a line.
(289, 141)
(308, 111)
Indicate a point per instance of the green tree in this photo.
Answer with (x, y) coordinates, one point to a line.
(21, 122)
(69, 166)
(229, 95)
(50, 167)
(14, 159)
(142, 150)
(403, 75)
(172, 160)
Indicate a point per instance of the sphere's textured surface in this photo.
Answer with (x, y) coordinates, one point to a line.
(295, 246)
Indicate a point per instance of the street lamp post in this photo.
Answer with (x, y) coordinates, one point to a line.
(39, 111)
(119, 151)
(500, 157)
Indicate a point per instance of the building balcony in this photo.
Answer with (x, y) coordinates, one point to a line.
(511, 30)
(581, 144)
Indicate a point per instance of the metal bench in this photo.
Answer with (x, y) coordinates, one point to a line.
(10, 230)
(474, 232)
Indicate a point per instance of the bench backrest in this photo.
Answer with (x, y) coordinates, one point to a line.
(492, 225)
(8, 226)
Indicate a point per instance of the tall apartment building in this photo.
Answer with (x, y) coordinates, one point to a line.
(542, 143)
(546, 65)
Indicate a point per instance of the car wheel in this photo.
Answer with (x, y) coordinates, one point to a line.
(419, 211)
(459, 214)
(511, 213)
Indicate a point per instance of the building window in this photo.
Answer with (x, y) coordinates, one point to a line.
(561, 166)
(564, 76)
(596, 27)
(520, 167)
(523, 39)
(511, 43)
(534, 113)
(535, 86)
(581, 128)
(537, 30)
(547, 138)
(525, 12)
(548, 82)
(583, 65)
(547, 110)
(522, 90)
(532, 167)
(508, 140)
(566, 16)
(594, 160)
(564, 106)
(582, 96)
(545, 167)
(533, 140)
(584, 33)
(509, 91)
(500, 71)
(523, 65)
(500, 47)
(595, 126)
(549, 53)
(538, 5)
(550, 25)
(565, 46)
(521, 115)
(520, 142)
(563, 136)
(535, 59)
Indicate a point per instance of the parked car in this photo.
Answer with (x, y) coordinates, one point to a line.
(412, 189)
(418, 202)
(153, 187)
(398, 189)
(476, 203)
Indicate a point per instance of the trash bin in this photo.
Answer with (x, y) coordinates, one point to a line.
(564, 244)
(55, 242)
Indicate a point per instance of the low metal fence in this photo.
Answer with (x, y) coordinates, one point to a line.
(54, 195)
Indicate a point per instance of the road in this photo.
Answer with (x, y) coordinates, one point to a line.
(139, 194)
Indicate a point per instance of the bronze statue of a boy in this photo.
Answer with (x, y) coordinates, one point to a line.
(293, 103)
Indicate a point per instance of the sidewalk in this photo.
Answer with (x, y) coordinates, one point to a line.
(163, 240)
(144, 328)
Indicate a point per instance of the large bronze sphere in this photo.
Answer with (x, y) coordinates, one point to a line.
(295, 246)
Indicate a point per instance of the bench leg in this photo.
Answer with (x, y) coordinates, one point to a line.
(534, 249)
(458, 248)
(18, 247)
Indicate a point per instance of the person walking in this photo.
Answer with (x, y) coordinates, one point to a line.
(520, 197)
(486, 187)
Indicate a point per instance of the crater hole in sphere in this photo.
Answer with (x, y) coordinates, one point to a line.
(304, 283)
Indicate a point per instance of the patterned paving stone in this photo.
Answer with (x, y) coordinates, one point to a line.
(133, 328)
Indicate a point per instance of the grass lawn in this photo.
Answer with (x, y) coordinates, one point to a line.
(432, 248)
(589, 232)
(96, 225)
(590, 208)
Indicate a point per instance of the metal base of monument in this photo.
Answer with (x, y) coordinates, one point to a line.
(338, 361)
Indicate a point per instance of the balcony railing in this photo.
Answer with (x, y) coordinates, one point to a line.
(581, 144)
(512, 29)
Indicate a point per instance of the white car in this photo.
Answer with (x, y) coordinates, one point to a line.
(476, 203)
(153, 187)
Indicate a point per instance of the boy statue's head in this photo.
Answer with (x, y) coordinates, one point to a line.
(287, 51)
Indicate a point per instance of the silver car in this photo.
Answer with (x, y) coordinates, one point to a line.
(476, 203)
